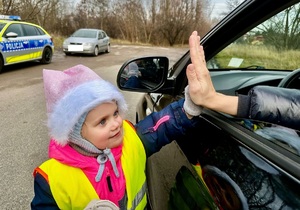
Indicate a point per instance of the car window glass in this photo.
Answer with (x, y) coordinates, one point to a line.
(91, 34)
(1, 26)
(284, 137)
(16, 28)
(40, 31)
(274, 44)
(30, 30)
(85, 34)
(78, 33)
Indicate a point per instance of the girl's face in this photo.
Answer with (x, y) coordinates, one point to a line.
(103, 126)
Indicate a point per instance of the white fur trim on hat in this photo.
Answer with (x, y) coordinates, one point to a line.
(77, 101)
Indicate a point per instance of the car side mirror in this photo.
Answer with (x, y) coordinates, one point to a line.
(11, 35)
(145, 74)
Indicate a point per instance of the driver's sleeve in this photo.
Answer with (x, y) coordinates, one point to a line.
(271, 104)
(243, 106)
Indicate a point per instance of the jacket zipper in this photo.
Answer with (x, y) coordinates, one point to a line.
(108, 181)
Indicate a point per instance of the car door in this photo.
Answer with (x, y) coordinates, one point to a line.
(105, 40)
(16, 47)
(100, 41)
(36, 39)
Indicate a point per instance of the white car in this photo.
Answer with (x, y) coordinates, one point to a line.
(87, 41)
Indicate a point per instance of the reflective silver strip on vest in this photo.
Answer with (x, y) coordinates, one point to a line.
(139, 196)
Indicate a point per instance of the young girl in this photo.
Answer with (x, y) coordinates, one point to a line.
(97, 159)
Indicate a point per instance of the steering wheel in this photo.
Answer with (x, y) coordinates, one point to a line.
(289, 79)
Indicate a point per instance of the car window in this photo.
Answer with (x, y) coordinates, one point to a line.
(16, 28)
(78, 33)
(31, 30)
(41, 32)
(85, 34)
(1, 26)
(92, 34)
(274, 44)
(278, 136)
(100, 36)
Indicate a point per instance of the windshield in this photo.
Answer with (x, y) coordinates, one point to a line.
(85, 34)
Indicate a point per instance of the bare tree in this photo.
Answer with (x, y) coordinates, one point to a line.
(131, 19)
(203, 13)
(90, 13)
(283, 30)
(157, 21)
(176, 19)
(231, 4)
(172, 18)
(6, 6)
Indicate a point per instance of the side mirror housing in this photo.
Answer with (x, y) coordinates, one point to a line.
(11, 35)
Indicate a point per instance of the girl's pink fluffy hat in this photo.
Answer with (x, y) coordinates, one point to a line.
(72, 93)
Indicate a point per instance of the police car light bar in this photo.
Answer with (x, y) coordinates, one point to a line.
(10, 17)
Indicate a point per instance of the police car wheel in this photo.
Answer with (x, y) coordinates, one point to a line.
(47, 56)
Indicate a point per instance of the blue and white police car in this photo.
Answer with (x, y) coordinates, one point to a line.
(22, 42)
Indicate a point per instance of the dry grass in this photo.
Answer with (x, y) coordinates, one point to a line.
(58, 41)
(260, 55)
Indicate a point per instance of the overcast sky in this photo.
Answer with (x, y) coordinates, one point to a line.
(220, 6)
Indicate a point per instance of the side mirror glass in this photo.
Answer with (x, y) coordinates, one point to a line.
(145, 74)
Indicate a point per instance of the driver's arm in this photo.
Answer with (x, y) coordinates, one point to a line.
(271, 104)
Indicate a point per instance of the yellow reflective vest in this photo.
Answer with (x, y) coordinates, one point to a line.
(76, 191)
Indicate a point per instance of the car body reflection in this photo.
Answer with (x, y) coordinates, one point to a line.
(143, 73)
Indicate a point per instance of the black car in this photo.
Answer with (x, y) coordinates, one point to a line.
(245, 164)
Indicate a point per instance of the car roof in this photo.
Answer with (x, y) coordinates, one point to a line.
(9, 21)
(16, 21)
(89, 29)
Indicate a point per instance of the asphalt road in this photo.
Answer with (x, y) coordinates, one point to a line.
(24, 138)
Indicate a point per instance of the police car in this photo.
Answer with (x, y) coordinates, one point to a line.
(23, 42)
